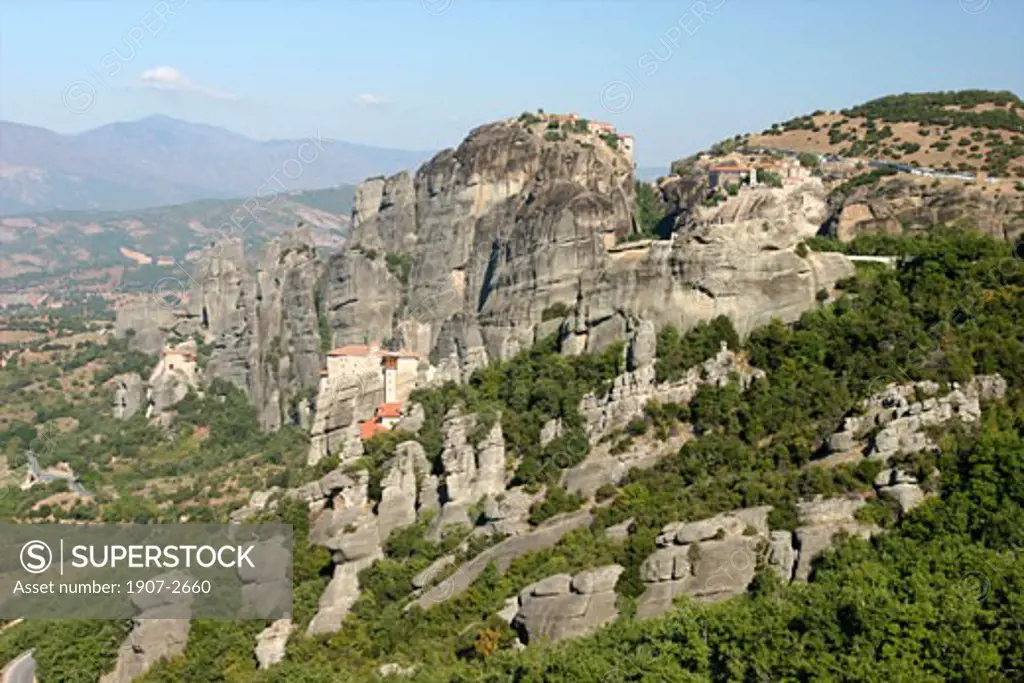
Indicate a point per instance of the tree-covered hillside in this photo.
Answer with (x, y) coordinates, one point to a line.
(959, 131)
(939, 596)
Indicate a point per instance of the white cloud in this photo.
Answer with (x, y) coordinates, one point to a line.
(169, 78)
(369, 99)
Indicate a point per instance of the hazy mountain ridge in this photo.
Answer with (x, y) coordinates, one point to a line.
(161, 160)
(37, 247)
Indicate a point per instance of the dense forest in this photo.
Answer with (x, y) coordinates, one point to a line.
(939, 596)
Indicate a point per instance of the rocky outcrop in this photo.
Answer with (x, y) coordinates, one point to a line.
(287, 335)
(900, 487)
(821, 521)
(502, 555)
(630, 393)
(739, 259)
(472, 472)
(473, 221)
(173, 377)
(412, 420)
(716, 558)
(159, 632)
(147, 322)
(150, 641)
(399, 488)
(260, 322)
(393, 670)
(897, 417)
(343, 400)
(258, 501)
(564, 606)
(515, 223)
(272, 641)
(427, 576)
(21, 669)
(905, 205)
(129, 395)
(345, 524)
(709, 560)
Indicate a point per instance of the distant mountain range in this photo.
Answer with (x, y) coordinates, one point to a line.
(161, 160)
(43, 250)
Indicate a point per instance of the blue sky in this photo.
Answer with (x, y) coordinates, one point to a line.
(419, 74)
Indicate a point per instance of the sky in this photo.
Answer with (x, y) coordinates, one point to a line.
(419, 74)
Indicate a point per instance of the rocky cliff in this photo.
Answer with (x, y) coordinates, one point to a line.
(488, 246)
(906, 204)
(258, 320)
(518, 233)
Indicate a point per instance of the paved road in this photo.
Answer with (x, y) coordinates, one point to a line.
(20, 670)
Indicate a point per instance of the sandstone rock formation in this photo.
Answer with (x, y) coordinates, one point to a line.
(502, 555)
(261, 322)
(631, 391)
(399, 488)
(150, 641)
(160, 631)
(821, 521)
(629, 395)
(514, 222)
(148, 321)
(262, 325)
(427, 576)
(710, 559)
(258, 501)
(904, 204)
(506, 202)
(393, 669)
(472, 472)
(129, 395)
(272, 641)
(346, 524)
(514, 235)
(21, 669)
(716, 558)
(901, 487)
(899, 414)
(175, 374)
(564, 606)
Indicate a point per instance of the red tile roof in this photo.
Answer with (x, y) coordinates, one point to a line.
(389, 410)
(368, 430)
